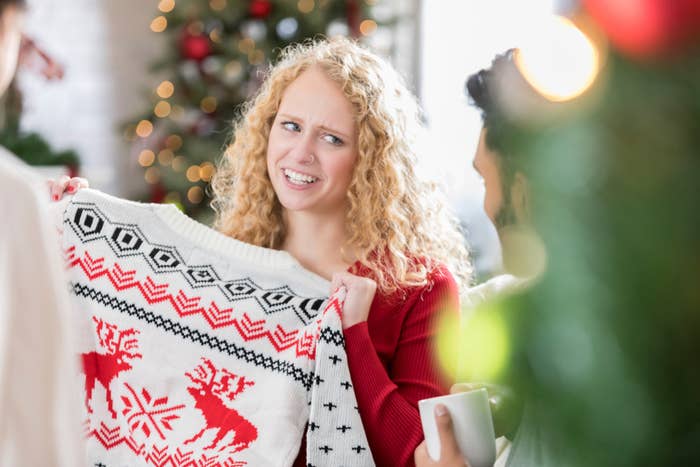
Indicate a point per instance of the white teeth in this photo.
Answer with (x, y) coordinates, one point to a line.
(296, 177)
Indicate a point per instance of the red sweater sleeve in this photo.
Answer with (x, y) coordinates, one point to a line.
(388, 399)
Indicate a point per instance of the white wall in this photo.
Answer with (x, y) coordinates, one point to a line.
(459, 37)
(105, 46)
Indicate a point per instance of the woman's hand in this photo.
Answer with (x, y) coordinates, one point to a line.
(65, 184)
(450, 455)
(358, 300)
(506, 407)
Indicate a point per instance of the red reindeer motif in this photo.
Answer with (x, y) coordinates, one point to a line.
(209, 394)
(105, 367)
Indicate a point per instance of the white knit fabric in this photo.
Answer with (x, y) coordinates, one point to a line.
(39, 423)
(202, 350)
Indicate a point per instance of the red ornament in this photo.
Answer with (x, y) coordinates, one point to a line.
(260, 8)
(647, 28)
(195, 47)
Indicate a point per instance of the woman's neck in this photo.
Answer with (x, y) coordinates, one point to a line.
(316, 242)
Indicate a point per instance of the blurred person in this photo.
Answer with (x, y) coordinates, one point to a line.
(507, 205)
(38, 417)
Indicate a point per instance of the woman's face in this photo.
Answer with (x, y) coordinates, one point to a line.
(312, 148)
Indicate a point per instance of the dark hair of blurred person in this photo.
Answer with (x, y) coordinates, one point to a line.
(505, 201)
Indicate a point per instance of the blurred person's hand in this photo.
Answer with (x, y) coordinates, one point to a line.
(450, 455)
(506, 407)
(65, 184)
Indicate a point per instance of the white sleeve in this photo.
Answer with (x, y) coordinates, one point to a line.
(40, 422)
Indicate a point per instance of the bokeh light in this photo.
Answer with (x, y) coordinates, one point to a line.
(173, 142)
(217, 5)
(144, 128)
(166, 6)
(146, 158)
(367, 27)
(159, 24)
(195, 195)
(208, 104)
(162, 109)
(560, 61)
(193, 174)
(165, 89)
(474, 347)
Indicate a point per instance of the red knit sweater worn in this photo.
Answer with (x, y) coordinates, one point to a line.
(392, 366)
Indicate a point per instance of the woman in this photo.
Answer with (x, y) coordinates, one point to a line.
(322, 166)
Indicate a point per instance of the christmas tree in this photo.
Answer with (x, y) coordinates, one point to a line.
(218, 51)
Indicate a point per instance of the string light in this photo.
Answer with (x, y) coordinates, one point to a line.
(159, 24)
(192, 173)
(256, 57)
(195, 194)
(177, 112)
(206, 171)
(173, 142)
(208, 104)
(152, 175)
(162, 109)
(195, 28)
(246, 45)
(165, 157)
(215, 35)
(146, 158)
(287, 27)
(233, 68)
(166, 6)
(179, 163)
(144, 128)
(367, 27)
(165, 89)
(306, 6)
(217, 5)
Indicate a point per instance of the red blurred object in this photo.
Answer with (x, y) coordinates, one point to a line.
(352, 11)
(33, 57)
(647, 28)
(195, 47)
(260, 8)
(158, 193)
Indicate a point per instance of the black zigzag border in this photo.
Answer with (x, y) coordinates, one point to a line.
(194, 335)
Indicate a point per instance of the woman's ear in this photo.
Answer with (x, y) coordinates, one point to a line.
(520, 198)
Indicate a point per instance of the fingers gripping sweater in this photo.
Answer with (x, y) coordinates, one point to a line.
(199, 350)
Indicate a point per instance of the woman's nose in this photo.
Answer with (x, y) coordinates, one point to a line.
(304, 153)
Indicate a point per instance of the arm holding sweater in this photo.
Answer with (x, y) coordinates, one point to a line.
(388, 398)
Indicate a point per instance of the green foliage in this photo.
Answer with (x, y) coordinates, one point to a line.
(610, 338)
(30, 147)
(35, 150)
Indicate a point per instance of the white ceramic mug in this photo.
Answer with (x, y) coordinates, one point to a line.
(472, 424)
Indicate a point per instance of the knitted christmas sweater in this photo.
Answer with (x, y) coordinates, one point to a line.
(200, 350)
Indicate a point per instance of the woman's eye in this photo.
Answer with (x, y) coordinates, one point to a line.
(334, 140)
(290, 126)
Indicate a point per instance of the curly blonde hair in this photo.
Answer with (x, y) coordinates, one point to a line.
(398, 225)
